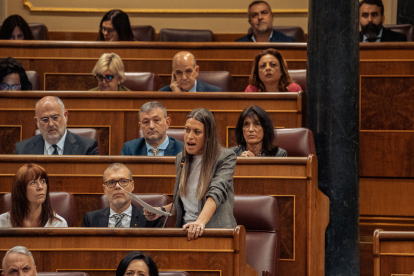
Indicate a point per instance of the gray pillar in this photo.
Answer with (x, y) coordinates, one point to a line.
(332, 115)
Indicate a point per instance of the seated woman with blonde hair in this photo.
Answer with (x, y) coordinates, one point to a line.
(270, 74)
(109, 72)
(31, 205)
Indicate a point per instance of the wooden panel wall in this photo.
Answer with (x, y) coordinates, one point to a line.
(304, 210)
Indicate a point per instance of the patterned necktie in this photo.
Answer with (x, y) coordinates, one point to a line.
(155, 151)
(55, 152)
(118, 219)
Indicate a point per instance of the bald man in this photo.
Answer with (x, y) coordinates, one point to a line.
(184, 74)
(54, 139)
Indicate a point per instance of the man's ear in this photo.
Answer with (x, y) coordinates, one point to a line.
(168, 120)
(132, 186)
(66, 115)
(382, 19)
(36, 122)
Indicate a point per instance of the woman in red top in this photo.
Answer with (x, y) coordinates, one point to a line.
(270, 74)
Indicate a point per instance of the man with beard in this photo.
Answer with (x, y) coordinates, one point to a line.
(371, 18)
(153, 122)
(54, 139)
(120, 213)
(261, 22)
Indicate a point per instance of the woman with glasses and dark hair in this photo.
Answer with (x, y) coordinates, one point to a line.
(255, 134)
(115, 26)
(15, 28)
(109, 72)
(31, 205)
(270, 74)
(137, 263)
(13, 76)
(203, 192)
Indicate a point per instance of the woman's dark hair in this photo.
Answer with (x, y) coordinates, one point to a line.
(285, 79)
(10, 23)
(20, 204)
(122, 26)
(11, 66)
(211, 150)
(269, 139)
(137, 255)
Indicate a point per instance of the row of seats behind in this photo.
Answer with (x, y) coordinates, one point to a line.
(259, 214)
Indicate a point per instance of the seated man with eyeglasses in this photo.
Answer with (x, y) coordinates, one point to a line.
(109, 72)
(120, 213)
(54, 139)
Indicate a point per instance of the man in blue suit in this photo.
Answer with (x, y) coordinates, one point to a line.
(184, 73)
(261, 22)
(153, 122)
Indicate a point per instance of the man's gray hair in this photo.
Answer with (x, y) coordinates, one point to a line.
(18, 249)
(256, 3)
(115, 167)
(59, 101)
(147, 107)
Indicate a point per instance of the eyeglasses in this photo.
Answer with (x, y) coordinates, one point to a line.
(122, 182)
(107, 78)
(34, 183)
(14, 87)
(108, 30)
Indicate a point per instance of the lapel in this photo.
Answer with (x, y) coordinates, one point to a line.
(142, 148)
(103, 218)
(169, 151)
(134, 217)
(200, 87)
(71, 145)
(38, 145)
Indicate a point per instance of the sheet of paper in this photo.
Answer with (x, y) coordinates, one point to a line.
(148, 207)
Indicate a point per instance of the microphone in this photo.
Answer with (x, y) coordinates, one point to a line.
(175, 195)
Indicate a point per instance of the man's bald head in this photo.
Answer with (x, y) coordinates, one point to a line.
(185, 70)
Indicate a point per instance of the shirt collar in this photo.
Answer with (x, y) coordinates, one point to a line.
(194, 89)
(378, 39)
(60, 144)
(163, 146)
(270, 37)
(127, 212)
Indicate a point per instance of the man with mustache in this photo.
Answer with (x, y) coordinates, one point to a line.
(153, 122)
(371, 18)
(54, 139)
(261, 22)
(120, 213)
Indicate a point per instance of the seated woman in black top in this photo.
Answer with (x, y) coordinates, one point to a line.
(13, 76)
(115, 26)
(255, 134)
(15, 27)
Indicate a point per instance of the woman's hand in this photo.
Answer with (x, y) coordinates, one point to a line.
(247, 153)
(150, 216)
(195, 229)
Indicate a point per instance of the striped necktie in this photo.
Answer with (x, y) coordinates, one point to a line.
(155, 151)
(118, 219)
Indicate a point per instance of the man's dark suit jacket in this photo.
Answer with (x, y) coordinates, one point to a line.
(201, 87)
(74, 145)
(139, 147)
(388, 36)
(100, 218)
(276, 37)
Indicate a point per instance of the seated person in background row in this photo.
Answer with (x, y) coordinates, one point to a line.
(54, 139)
(261, 21)
(184, 73)
(270, 74)
(13, 76)
(15, 28)
(137, 263)
(121, 213)
(371, 18)
(31, 205)
(109, 72)
(115, 26)
(153, 122)
(255, 134)
(18, 261)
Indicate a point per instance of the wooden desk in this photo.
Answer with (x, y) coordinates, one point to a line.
(393, 253)
(115, 114)
(304, 210)
(98, 251)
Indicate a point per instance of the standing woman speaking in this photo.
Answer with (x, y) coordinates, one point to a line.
(203, 192)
